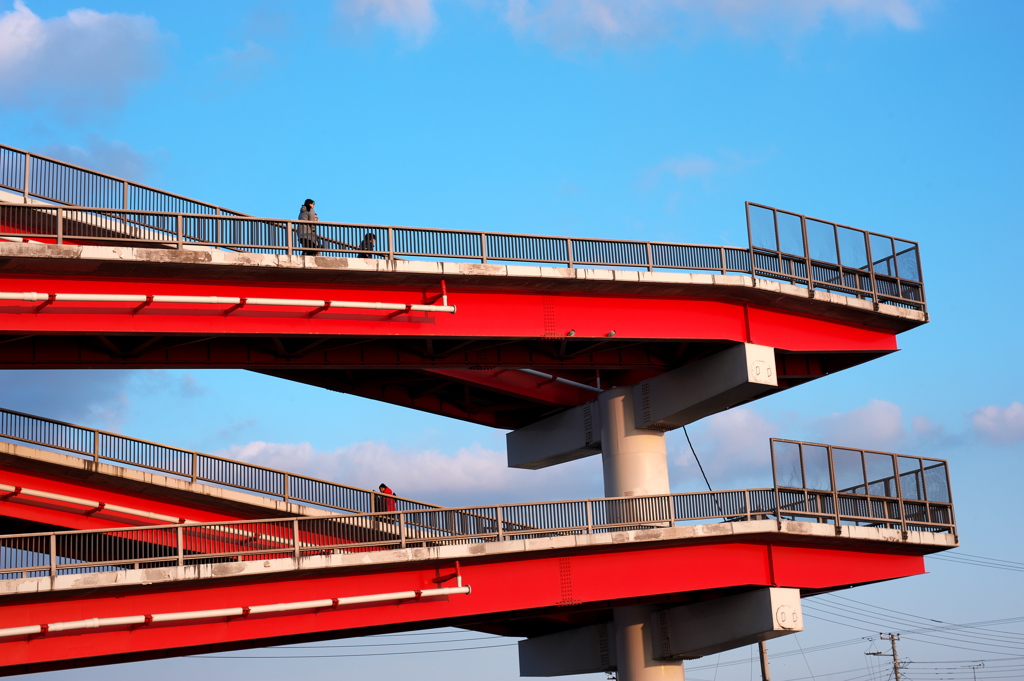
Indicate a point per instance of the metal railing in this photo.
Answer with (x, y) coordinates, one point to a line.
(841, 485)
(47, 179)
(912, 497)
(815, 253)
(334, 239)
(100, 445)
(893, 278)
(826, 255)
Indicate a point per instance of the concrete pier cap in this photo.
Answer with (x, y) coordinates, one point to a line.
(663, 403)
(657, 641)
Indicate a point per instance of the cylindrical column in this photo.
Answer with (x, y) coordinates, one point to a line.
(634, 648)
(635, 465)
(635, 461)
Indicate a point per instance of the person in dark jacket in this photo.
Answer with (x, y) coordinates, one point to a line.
(307, 230)
(368, 243)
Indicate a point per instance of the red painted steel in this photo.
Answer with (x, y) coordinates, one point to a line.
(588, 578)
(481, 314)
(145, 498)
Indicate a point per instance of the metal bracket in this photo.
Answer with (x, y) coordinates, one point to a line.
(149, 301)
(237, 306)
(323, 308)
(51, 298)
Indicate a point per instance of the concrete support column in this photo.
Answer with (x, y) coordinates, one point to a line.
(635, 648)
(635, 465)
(635, 461)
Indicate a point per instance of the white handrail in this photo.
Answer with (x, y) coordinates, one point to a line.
(97, 622)
(33, 296)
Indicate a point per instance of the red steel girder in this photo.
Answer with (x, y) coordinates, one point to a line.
(112, 491)
(495, 314)
(504, 587)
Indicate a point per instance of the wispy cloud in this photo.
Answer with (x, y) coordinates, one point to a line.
(112, 157)
(247, 63)
(82, 60)
(572, 24)
(575, 24)
(470, 475)
(1002, 425)
(413, 20)
(732, 447)
(94, 398)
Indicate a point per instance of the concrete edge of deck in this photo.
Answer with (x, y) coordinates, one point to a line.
(526, 277)
(134, 480)
(790, 531)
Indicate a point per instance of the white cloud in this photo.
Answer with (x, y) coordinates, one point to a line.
(1004, 425)
(246, 63)
(92, 398)
(569, 24)
(84, 59)
(472, 475)
(114, 157)
(877, 425)
(688, 166)
(413, 20)
(732, 447)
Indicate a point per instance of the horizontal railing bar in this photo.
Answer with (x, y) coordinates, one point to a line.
(93, 434)
(830, 222)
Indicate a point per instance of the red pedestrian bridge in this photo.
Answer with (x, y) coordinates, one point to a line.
(115, 549)
(834, 517)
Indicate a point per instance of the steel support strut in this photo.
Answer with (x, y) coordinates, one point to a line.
(635, 465)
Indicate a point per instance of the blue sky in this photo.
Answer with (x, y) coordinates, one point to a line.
(653, 119)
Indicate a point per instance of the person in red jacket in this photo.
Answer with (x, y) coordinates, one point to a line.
(386, 501)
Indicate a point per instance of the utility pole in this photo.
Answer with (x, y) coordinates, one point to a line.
(762, 648)
(974, 669)
(892, 638)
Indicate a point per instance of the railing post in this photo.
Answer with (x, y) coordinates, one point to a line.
(287, 487)
(568, 251)
(871, 271)
(401, 529)
(195, 466)
(391, 243)
(60, 226)
(180, 230)
(53, 556)
(28, 163)
(500, 517)
(835, 488)
(295, 537)
(124, 197)
(483, 248)
(650, 258)
(181, 545)
(590, 518)
(289, 235)
(807, 256)
(750, 241)
(96, 446)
